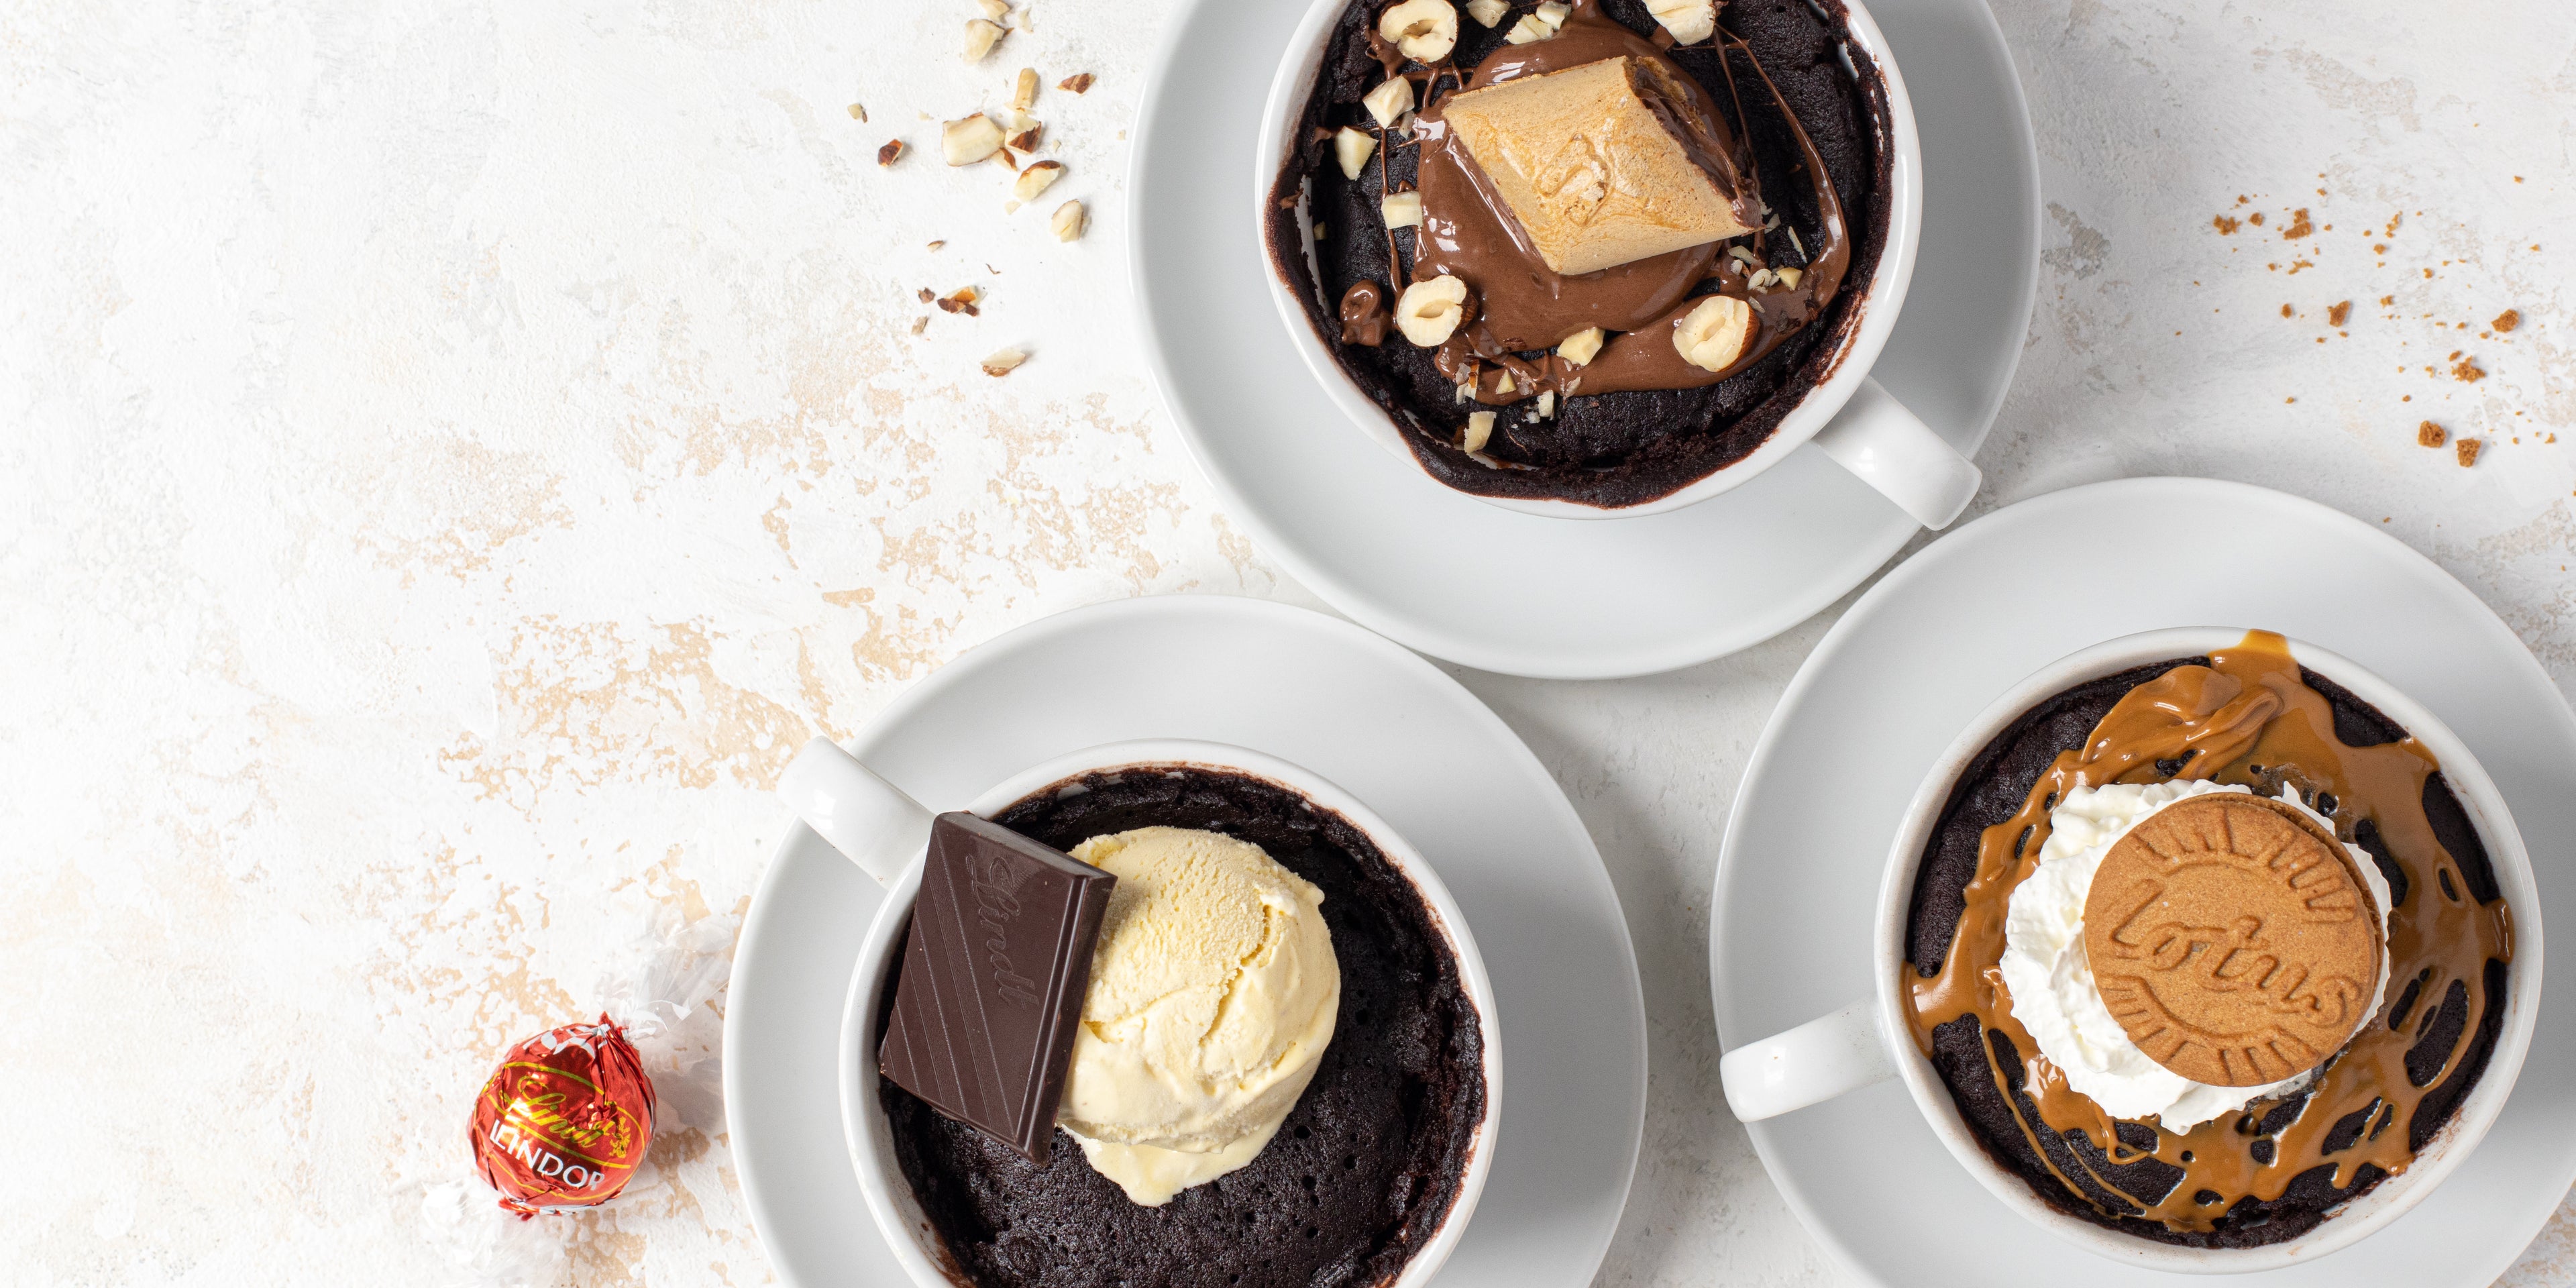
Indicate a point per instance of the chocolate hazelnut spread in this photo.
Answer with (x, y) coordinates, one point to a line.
(1525, 305)
(1364, 317)
(1778, 113)
(2248, 715)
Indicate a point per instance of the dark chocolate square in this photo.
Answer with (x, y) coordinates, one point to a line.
(994, 971)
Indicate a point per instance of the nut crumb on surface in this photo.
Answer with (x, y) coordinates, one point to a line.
(1036, 179)
(2336, 314)
(981, 35)
(2286, 311)
(969, 139)
(2429, 434)
(921, 324)
(937, 244)
(891, 152)
(1068, 221)
(1078, 83)
(2467, 449)
(2225, 225)
(2299, 225)
(2467, 369)
(1004, 362)
(961, 300)
(1024, 93)
(927, 295)
(859, 113)
(2507, 320)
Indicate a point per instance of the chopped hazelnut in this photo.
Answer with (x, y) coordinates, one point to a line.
(1025, 94)
(1078, 83)
(981, 35)
(1581, 347)
(1714, 333)
(969, 140)
(1429, 312)
(1422, 30)
(1389, 100)
(1004, 362)
(1353, 149)
(1068, 221)
(1690, 21)
(1403, 210)
(1036, 178)
(891, 152)
(1480, 431)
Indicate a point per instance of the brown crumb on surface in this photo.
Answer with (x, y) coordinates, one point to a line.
(937, 244)
(2225, 225)
(961, 300)
(859, 113)
(2286, 311)
(2468, 369)
(2467, 450)
(2337, 314)
(1079, 82)
(2507, 320)
(891, 152)
(2429, 434)
(2299, 225)
(2255, 219)
(921, 324)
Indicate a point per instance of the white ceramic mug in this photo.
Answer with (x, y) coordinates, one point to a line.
(886, 833)
(1848, 416)
(1869, 1041)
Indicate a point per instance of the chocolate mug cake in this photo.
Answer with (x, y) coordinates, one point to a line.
(2206, 949)
(1341, 1178)
(1591, 251)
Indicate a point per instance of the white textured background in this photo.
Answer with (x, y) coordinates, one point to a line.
(452, 454)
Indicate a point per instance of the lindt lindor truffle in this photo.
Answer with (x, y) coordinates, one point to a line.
(994, 970)
(565, 1120)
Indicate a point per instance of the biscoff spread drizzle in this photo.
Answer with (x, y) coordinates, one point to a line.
(2250, 718)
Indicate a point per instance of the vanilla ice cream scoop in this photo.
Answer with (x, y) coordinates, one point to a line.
(1212, 997)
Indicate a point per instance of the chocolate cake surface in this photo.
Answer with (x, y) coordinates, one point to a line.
(1627, 448)
(1363, 1171)
(2067, 1169)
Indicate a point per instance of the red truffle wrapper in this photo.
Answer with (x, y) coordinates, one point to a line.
(565, 1120)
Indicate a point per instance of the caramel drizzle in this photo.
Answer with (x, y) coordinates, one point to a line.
(2247, 718)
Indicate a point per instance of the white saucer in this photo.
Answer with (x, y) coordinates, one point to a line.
(1386, 725)
(1452, 576)
(1921, 654)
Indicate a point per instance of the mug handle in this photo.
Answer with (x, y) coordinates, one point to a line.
(1812, 1063)
(869, 820)
(1891, 449)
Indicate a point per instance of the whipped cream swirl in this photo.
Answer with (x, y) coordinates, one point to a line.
(2053, 993)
